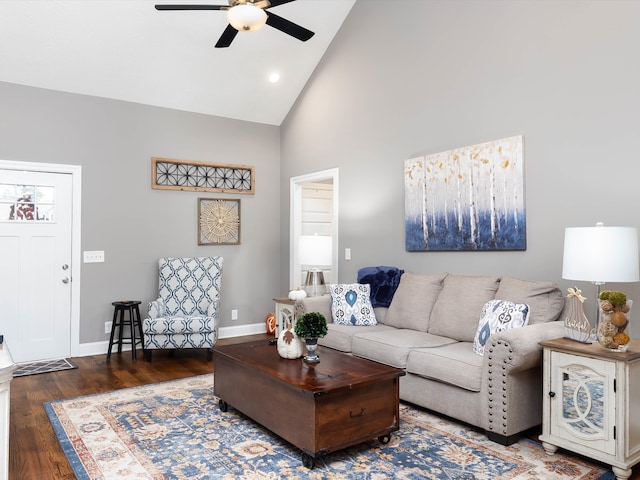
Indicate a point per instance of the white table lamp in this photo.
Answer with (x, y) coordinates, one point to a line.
(315, 251)
(601, 254)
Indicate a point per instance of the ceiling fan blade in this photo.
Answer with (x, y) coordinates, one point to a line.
(275, 3)
(192, 7)
(227, 37)
(288, 27)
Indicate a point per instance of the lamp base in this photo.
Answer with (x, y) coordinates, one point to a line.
(314, 284)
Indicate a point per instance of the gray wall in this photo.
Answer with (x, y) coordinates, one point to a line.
(114, 141)
(564, 74)
(419, 77)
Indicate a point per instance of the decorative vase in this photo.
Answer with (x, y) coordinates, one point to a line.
(612, 323)
(312, 346)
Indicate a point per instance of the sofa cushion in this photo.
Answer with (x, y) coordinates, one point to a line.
(384, 282)
(393, 348)
(340, 337)
(545, 299)
(179, 324)
(455, 364)
(320, 304)
(351, 304)
(498, 316)
(381, 314)
(457, 309)
(413, 301)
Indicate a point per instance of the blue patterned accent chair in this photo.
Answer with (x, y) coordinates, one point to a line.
(185, 314)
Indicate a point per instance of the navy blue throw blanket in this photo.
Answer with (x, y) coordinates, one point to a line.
(383, 280)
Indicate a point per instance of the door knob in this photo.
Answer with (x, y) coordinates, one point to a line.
(65, 280)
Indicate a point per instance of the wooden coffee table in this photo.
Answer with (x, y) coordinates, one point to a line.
(319, 408)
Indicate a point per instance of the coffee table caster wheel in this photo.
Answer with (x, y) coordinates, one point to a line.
(384, 439)
(224, 406)
(308, 461)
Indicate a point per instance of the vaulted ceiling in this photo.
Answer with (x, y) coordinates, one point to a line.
(127, 50)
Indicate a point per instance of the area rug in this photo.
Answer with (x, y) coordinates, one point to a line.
(175, 430)
(44, 366)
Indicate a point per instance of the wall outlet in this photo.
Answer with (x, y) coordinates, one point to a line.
(347, 254)
(234, 314)
(107, 327)
(96, 256)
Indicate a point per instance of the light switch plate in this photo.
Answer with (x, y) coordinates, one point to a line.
(96, 256)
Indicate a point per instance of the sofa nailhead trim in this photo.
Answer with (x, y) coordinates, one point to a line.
(504, 386)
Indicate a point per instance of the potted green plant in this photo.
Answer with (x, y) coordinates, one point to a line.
(311, 326)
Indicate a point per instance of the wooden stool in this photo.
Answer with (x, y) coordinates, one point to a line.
(119, 321)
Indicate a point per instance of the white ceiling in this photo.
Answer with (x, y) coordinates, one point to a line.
(127, 50)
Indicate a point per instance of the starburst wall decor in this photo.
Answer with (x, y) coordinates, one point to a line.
(218, 221)
(171, 174)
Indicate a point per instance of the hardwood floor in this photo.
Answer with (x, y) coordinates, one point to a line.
(34, 451)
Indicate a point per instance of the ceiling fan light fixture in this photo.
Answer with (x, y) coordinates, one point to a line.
(247, 18)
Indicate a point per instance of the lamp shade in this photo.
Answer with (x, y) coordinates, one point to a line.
(246, 18)
(601, 254)
(315, 250)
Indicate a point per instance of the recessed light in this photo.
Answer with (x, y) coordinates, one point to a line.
(274, 77)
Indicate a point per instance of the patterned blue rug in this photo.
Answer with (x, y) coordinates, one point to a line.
(175, 430)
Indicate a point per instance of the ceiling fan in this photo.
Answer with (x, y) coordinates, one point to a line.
(248, 16)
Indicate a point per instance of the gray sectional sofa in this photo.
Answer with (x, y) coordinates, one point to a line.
(428, 330)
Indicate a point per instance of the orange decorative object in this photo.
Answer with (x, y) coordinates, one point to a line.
(271, 323)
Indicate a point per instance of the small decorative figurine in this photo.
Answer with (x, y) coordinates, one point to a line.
(576, 324)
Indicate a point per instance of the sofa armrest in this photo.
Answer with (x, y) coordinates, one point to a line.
(321, 304)
(212, 309)
(518, 349)
(213, 312)
(156, 308)
(512, 380)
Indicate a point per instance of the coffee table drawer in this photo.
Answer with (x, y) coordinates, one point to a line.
(360, 413)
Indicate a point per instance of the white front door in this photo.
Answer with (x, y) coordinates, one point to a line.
(35, 263)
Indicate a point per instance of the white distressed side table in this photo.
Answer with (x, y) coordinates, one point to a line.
(591, 402)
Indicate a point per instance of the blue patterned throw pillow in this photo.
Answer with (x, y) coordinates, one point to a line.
(351, 304)
(497, 316)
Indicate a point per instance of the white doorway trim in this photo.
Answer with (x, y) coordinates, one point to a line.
(76, 174)
(295, 214)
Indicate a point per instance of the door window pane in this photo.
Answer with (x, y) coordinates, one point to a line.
(26, 203)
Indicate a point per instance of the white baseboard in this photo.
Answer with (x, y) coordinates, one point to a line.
(241, 330)
(95, 348)
(100, 348)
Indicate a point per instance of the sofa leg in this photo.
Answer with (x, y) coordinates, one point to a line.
(505, 440)
(147, 354)
(209, 354)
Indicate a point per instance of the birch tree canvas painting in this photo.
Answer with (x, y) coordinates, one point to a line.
(469, 198)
